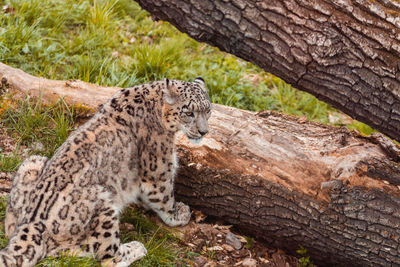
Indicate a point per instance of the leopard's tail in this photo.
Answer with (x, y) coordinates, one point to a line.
(25, 248)
(25, 178)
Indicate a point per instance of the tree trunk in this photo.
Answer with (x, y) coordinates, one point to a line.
(281, 178)
(346, 53)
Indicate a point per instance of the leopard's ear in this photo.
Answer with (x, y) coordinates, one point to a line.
(200, 80)
(170, 94)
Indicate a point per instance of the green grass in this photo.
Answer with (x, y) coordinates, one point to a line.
(9, 163)
(304, 260)
(3, 238)
(362, 127)
(116, 43)
(34, 123)
(161, 244)
(67, 260)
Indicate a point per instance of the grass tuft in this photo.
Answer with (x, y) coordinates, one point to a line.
(159, 242)
(9, 163)
(32, 122)
(67, 259)
(3, 238)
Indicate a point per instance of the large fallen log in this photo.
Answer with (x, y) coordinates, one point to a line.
(293, 182)
(281, 178)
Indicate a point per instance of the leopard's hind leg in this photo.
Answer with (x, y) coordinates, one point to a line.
(23, 184)
(105, 244)
(26, 246)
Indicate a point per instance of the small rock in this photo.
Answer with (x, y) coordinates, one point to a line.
(232, 240)
(198, 243)
(249, 262)
(148, 40)
(115, 54)
(239, 254)
(215, 248)
(132, 40)
(242, 239)
(263, 260)
(227, 247)
(37, 146)
(200, 261)
(129, 226)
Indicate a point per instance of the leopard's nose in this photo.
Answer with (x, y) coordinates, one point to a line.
(203, 133)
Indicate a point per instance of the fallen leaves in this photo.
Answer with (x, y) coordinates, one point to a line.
(217, 246)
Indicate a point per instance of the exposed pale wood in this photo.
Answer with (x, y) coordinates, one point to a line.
(346, 53)
(281, 178)
(73, 91)
(292, 182)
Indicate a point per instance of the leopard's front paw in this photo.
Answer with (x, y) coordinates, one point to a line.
(178, 216)
(182, 213)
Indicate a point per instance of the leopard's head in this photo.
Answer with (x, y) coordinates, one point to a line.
(187, 107)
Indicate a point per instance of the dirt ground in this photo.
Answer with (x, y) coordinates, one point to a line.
(224, 247)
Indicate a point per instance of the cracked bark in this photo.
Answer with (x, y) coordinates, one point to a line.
(277, 177)
(293, 183)
(346, 53)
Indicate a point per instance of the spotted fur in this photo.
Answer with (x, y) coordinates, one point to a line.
(124, 154)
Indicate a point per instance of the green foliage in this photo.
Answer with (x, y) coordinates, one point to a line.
(304, 261)
(3, 204)
(3, 238)
(67, 259)
(159, 242)
(250, 242)
(362, 127)
(9, 163)
(32, 122)
(292, 101)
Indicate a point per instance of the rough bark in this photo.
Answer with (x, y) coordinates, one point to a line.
(281, 178)
(346, 53)
(293, 183)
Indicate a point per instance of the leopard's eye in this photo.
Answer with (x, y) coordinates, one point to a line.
(189, 114)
